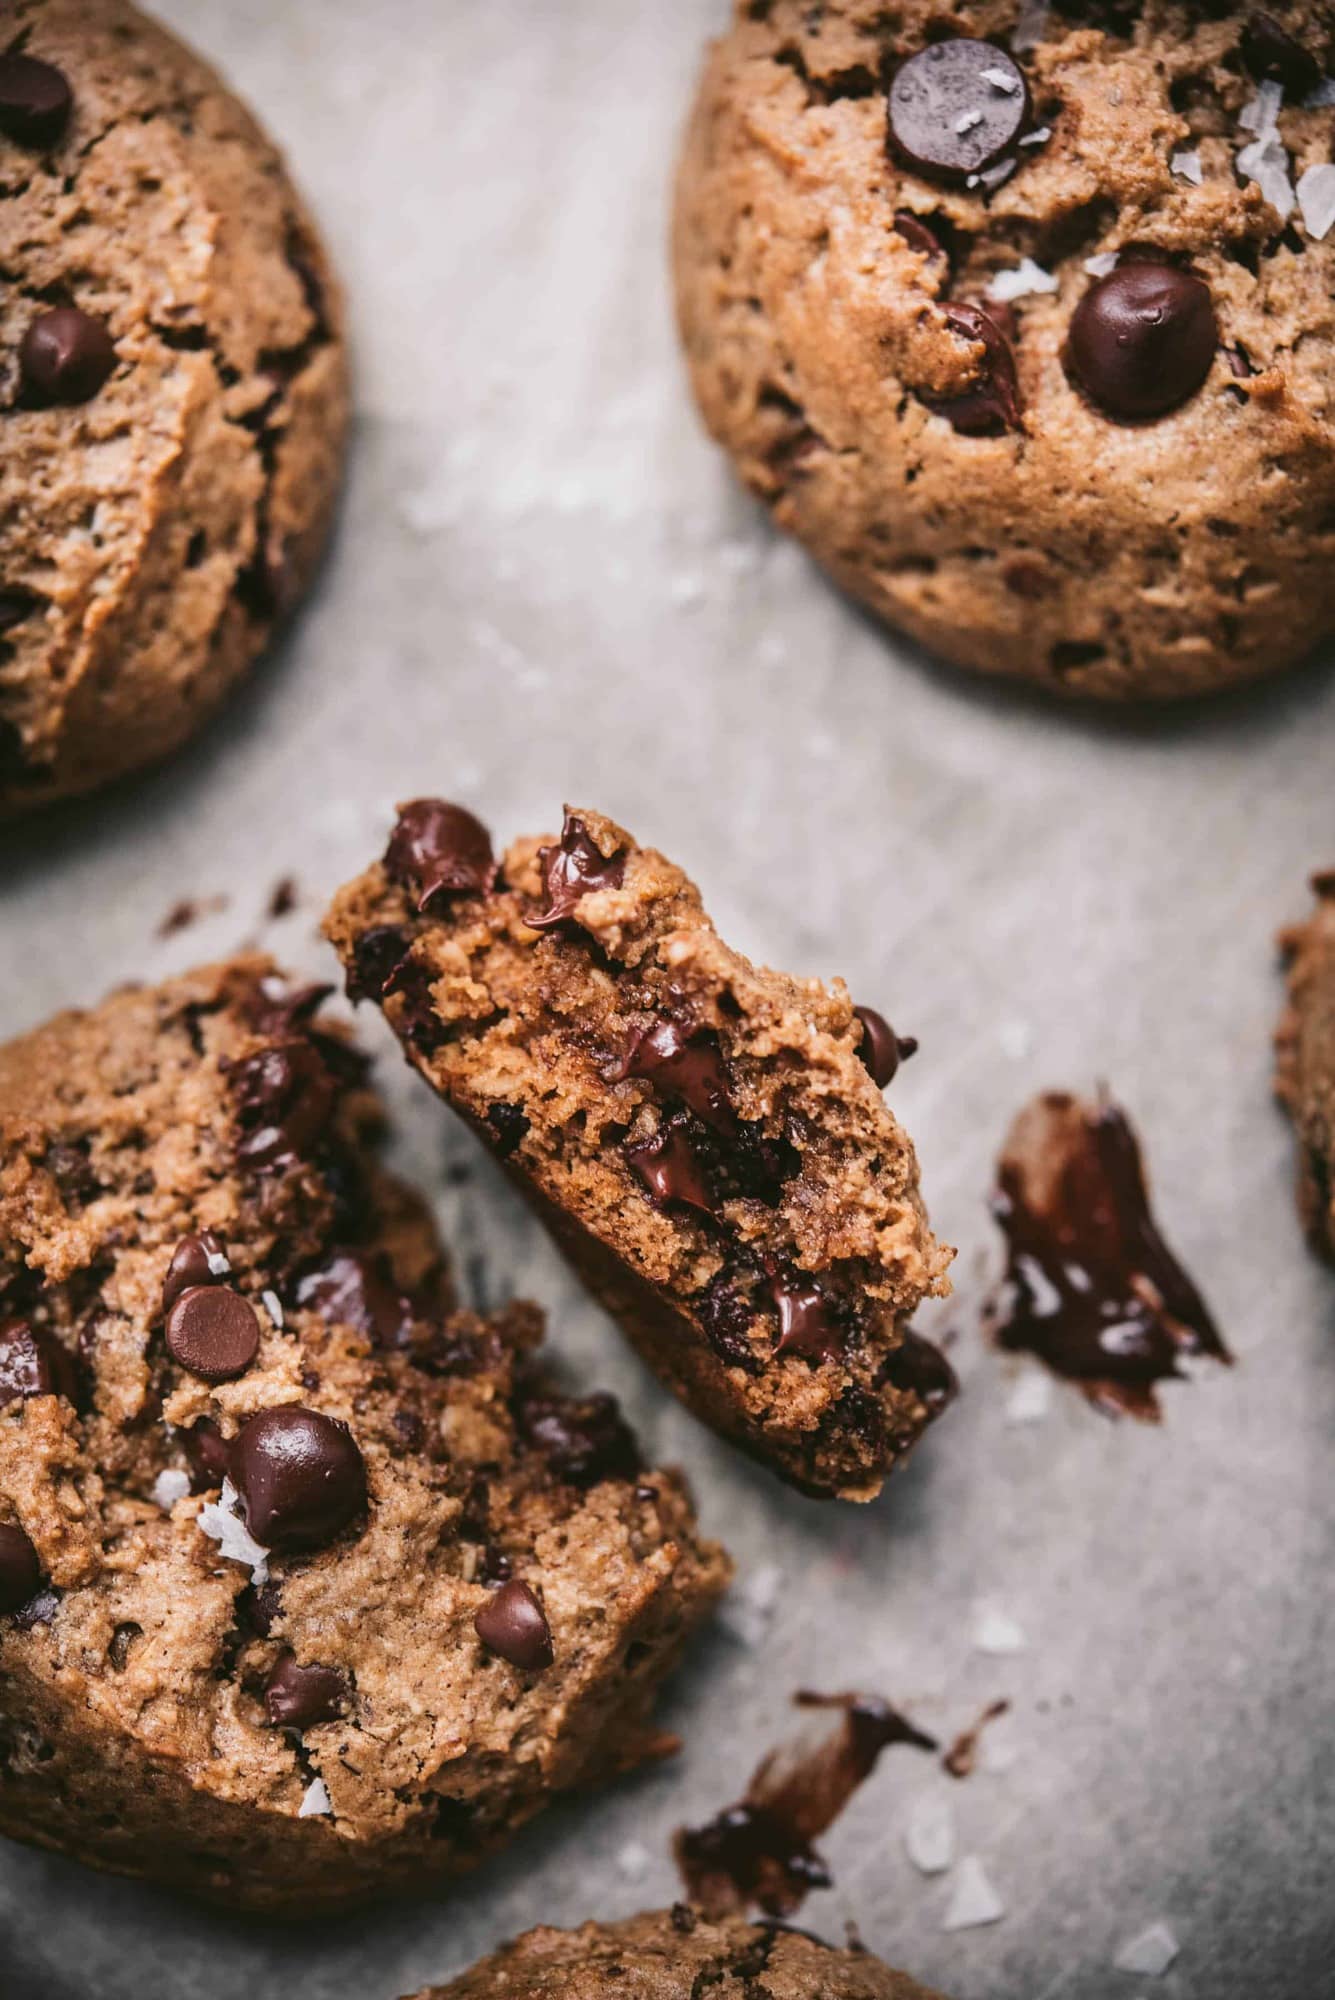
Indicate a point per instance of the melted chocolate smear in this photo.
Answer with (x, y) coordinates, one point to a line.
(684, 1065)
(572, 870)
(1091, 1287)
(761, 1850)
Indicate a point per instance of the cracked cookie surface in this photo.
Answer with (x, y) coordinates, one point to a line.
(1305, 1076)
(903, 344)
(705, 1139)
(173, 396)
(312, 1586)
(677, 1955)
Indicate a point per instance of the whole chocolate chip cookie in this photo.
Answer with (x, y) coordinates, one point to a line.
(676, 1955)
(173, 395)
(1022, 319)
(311, 1586)
(707, 1140)
(1305, 1077)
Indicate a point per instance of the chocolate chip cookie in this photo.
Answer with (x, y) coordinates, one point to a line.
(676, 1955)
(1305, 1077)
(1021, 319)
(707, 1140)
(172, 390)
(311, 1585)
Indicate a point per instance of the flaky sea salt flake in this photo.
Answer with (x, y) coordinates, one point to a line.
(1001, 79)
(973, 1900)
(1020, 281)
(1150, 1954)
(1031, 1398)
(967, 120)
(1186, 165)
(273, 1306)
(995, 1632)
(221, 1521)
(1038, 137)
(1260, 114)
(1101, 263)
(1267, 164)
(1316, 199)
(929, 1837)
(317, 1803)
(169, 1487)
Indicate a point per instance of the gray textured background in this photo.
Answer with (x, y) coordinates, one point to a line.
(545, 587)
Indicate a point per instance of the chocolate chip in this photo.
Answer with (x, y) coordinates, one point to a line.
(573, 869)
(65, 356)
(1270, 51)
(206, 1454)
(956, 107)
(682, 1064)
(196, 1260)
(440, 850)
(920, 1369)
(509, 1126)
(993, 404)
(881, 1048)
(33, 1363)
(284, 1099)
(411, 982)
(671, 1169)
(917, 235)
(1142, 340)
(807, 1323)
(354, 1289)
(39, 1610)
(300, 1477)
(20, 1571)
(584, 1440)
(374, 956)
(514, 1624)
(213, 1332)
(726, 1315)
(297, 1697)
(259, 1608)
(35, 100)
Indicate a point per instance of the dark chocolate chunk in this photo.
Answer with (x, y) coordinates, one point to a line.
(297, 1697)
(514, 1624)
(65, 356)
(20, 1571)
(440, 850)
(259, 1607)
(213, 1332)
(411, 982)
(684, 1064)
(881, 1048)
(574, 869)
(1269, 51)
(921, 1369)
(993, 404)
(300, 1477)
(583, 1439)
(808, 1322)
(35, 100)
(917, 235)
(196, 1260)
(509, 1127)
(33, 1363)
(956, 107)
(355, 1289)
(284, 1098)
(1142, 340)
(206, 1454)
(726, 1316)
(375, 955)
(1091, 1287)
(672, 1170)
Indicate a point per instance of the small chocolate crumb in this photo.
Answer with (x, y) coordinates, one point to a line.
(962, 1756)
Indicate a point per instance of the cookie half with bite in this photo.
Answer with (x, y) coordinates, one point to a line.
(312, 1587)
(676, 1955)
(707, 1140)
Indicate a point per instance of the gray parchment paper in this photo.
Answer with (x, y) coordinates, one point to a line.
(546, 587)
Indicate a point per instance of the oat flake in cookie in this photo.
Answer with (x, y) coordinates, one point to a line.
(706, 1140)
(1031, 342)
(677, 1955)
(310, 1586)
(173, 395)
(1306, 1071)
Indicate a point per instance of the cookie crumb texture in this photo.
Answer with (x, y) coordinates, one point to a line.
(677, 1955)
(1130, 501)
(173, 398)
(1305, 1077)
(308, 1683)
(701, 1136)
